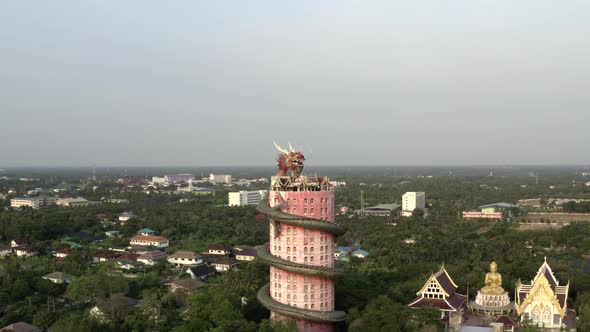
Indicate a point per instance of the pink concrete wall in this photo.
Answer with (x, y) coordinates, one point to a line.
(305, 246)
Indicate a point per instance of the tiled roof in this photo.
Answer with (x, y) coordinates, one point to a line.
(445, 282)
(154, 255)
(185, 255)
(247, 252)
(150, 238)
(131, 257)
(202, 270)
(21, 327)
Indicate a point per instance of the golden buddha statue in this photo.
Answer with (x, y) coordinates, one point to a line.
(493, 281)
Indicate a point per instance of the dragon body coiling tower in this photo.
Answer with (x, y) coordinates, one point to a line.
(301, 247)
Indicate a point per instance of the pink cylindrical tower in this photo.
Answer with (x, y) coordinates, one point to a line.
(301, 248)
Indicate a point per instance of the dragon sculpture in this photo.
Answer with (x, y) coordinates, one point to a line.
(289, 160)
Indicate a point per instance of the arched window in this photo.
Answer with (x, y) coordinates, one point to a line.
(288, 258)
(294, 297)
(311, 259)
(305, 250)
(305, 201)
(305, 289)
(311, 250)
(288, 297)
(311, 211)
(289, 231)
(322, 258)
(305, 260)
(535, 315)
(547, 315)
(288, 288)
(305, 298)
(288, 250)
(294, 288)
(311, 201)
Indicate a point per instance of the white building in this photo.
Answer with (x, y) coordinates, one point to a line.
(149, 241)
(73, 202)
(185, 258)
(243, 198)
(411, 201)
(32, 202)
(219, 178)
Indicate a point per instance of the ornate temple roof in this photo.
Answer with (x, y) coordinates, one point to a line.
(439, 292)
(544, 275)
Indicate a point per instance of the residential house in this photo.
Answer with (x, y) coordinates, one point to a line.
(152, 257)
(149, 241)
(360, 253)
(126, 216)
(186, 286)
(5, 250)
(25, 251)
(146, 231)
(112, 234)
(61, 254)
(201, 271)
(103, 257)
(247, 254)
(185, 258)
(342, 251)
(127, 261)
(59, 278)
(102, 309)
(21, 327)
(225, 264)
(220, 250)
(19, 243)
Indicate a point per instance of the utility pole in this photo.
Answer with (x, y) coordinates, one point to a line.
(362, 203)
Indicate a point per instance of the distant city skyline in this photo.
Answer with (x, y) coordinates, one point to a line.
(362, 83)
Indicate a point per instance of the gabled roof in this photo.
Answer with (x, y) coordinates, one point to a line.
(543, 283)
(153, 255)
(146, 231)
(130, 257)
(220, 247)
(185, 255)
(65, 250)
(187, 284)
(452, 303)
(247, 252)
(21, 327)
(154, 238)
(21, 242)
(201, 270)
(545, 270)
(360, 252)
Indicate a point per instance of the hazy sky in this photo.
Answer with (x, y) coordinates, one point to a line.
(352, 82)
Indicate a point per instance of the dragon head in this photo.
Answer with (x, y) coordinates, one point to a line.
(289, 160)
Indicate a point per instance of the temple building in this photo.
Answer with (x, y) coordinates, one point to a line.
(301, 248)
(492, 299)
(439, 293)
(543, 302)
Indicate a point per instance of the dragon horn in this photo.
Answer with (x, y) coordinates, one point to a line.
(280, 148)
(290, 147)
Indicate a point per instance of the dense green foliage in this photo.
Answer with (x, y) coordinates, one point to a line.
(374, 293)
